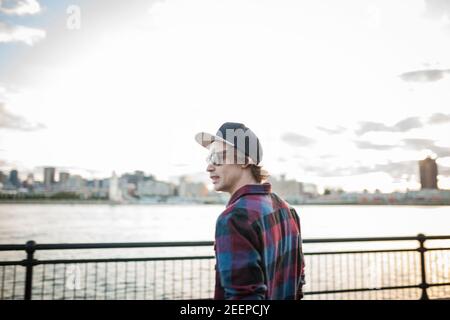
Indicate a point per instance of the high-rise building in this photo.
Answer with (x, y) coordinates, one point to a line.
(134, 178)
(29, 182)
(115, 193)
(3, 177)
(428, 173)
(49, 176)
(63, 177)
(14, 178)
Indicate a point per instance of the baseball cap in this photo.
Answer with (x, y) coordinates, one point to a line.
(236, 135)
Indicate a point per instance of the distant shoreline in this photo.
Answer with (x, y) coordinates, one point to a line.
(107, 202)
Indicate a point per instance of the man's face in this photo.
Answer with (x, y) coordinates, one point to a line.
(224, 176)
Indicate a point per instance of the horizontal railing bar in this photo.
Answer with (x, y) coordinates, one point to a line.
(62, 261)
(118, 245)
(6, 263)
(193, 257)
(441, 237)
(362, 289)
(12, 247)
(439, 284)
(11, 263)
(415, 238)
(305, 253)
(67, 261)
(122, 245)
(374, 289)
(358, 251)
(62, 246)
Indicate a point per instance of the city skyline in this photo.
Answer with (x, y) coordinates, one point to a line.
(351, 99)
(47, 177)
(140, 188)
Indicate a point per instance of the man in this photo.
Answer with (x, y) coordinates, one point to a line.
(258, 242)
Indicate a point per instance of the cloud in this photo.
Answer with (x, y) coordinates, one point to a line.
(401, 126)
(437, 9)
(396, 170)
(370, 145)
(296, 140)
(30, 36)
(438, 118)
(336, 130)
(407, 124)
(369, 126)
(18, 33)
(415, 144)
(430, 75)
(441, 151)
(19, 7)
(12, 121)
(420, 144)
(442, 170)
(329, 171)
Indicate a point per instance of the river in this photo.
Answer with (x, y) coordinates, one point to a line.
(61, 223)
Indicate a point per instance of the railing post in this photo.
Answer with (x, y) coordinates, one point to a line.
(423, 285)
(29, 264)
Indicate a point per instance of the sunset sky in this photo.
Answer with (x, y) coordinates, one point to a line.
(348, 93)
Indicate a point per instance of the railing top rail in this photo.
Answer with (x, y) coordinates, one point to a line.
(116, 245)
(418, 237)
(68, 246)
(12, 247)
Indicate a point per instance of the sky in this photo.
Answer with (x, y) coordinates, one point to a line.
(344, 94)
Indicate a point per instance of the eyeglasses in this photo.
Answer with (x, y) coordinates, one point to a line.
(227, 157)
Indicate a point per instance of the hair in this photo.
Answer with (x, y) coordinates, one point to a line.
(259, 173)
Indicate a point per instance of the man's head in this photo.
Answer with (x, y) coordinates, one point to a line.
(234, 155)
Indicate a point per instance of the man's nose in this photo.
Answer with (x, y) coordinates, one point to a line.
(210, 168)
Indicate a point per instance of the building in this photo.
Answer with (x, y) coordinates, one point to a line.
(49, 176)
(428, 173)
(189, 189)
(3, 177)
(152, 188)
(97, 188)
(29, 182)
(309, 189)
(63, 177)
(14, 178)
(115, 193)
(291, 190)
(134, 178)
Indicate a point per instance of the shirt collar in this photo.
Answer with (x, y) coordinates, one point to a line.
(263, 188)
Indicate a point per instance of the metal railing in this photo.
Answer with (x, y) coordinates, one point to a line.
(411, 272)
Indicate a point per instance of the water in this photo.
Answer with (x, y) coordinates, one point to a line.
(58, 223)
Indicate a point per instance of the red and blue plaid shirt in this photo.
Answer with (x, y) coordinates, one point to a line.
(258, 247)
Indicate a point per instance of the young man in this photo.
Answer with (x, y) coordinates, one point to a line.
(258, 242)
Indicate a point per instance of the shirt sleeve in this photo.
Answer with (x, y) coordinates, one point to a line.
(239, 261)
(301, 258)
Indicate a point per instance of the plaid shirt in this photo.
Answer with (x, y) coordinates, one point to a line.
(258, 247)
